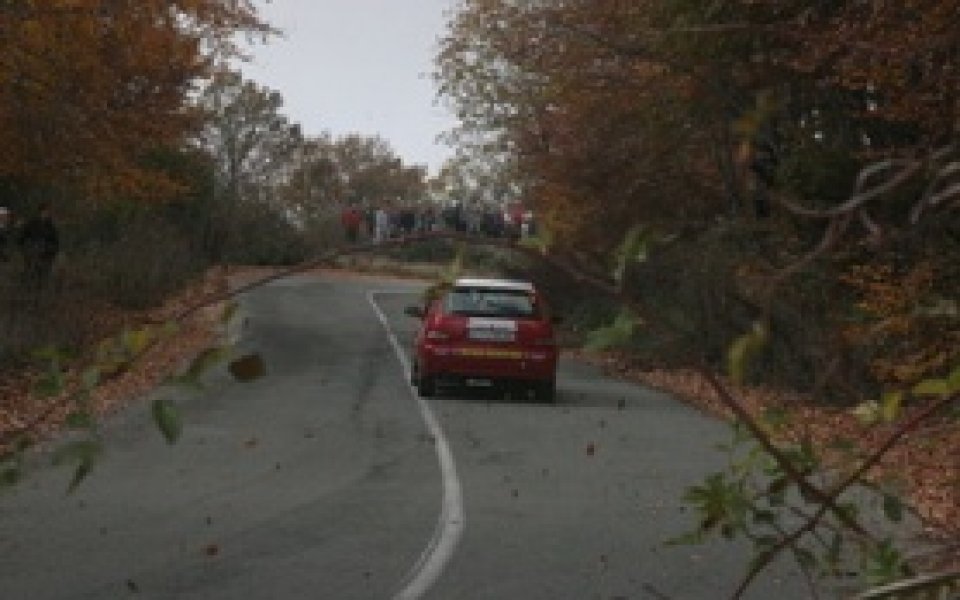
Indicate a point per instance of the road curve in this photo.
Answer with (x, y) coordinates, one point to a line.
(322, 480)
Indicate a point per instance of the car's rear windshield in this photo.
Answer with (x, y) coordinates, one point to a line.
(487, 302)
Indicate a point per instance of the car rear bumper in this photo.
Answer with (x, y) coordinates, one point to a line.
(528, 364)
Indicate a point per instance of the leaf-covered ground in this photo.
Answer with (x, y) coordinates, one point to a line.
(925, 466)
(20, 407)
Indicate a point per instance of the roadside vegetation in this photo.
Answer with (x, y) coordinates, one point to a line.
(758, 203)
(770, 189)
(161, 167)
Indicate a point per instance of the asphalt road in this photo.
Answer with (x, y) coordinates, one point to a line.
(322, 480)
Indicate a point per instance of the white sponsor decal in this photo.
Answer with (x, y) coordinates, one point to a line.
(484, 323)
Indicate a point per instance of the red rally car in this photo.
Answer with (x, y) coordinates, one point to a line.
(481, 332)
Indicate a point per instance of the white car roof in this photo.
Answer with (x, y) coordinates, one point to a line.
(491, 283)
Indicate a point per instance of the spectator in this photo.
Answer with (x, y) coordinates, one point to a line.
(381, 225)
(39, 243)
(351, 219)
(370, 221)
(408, 220)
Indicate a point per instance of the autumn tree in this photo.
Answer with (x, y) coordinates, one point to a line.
(353, 169)
(799, 160)
(87, 87)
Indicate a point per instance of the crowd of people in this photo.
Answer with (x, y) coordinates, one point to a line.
(38, 241)
(382, 222)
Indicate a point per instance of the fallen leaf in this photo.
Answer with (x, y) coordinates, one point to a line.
(248, 368)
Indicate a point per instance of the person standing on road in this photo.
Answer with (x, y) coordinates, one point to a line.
(381, 225)
(370, 221)
(39, 243)
(351, 220)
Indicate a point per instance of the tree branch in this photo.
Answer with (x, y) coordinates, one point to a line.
(830, 501)
(807, 488)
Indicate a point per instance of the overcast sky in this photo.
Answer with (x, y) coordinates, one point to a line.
(360, 66)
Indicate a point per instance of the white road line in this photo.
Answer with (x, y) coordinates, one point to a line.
(452, 520)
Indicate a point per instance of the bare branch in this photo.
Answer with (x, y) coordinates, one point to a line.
(875, 231)
(908, 168)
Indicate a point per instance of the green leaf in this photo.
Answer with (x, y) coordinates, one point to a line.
(206, 360)
(931, 387)
(229, 310)
(953, 381)
(450, 273)
(776, 418)
(84, 468)
(136, 341)
(633, 249)
(50, 384)
(47, 354)
(849, 510)
(688, 539)
(76, 451)
(82, 452)
(167, 418)
(868, 413)
(842, 444)
(79, 420)
(616, 335)
(248, 368)
(884, 563)
(10, 476)
(169, 328)
(23, 443)
(90, 378)
(743, 350)
(893, 508)
(890, 406)
(777, 487)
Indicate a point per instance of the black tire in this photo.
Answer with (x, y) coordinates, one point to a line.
(546, 391)
(427, 386)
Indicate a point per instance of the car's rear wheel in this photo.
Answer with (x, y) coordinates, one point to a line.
(545, 391)
(426, 386)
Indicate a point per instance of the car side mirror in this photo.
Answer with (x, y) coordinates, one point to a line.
(415, 311)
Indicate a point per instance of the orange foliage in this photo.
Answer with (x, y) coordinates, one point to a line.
(87, 86)
(908, 341)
